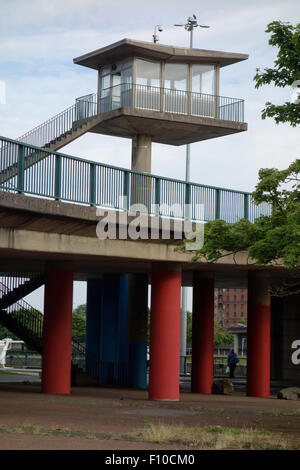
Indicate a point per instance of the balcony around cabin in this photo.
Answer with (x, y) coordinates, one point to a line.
(163, 100)
(165, 92)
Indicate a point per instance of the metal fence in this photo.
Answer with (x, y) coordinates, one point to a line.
(138, 96)
(172, 101)
(27, 169)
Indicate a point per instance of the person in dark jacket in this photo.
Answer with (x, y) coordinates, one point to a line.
(232, 361)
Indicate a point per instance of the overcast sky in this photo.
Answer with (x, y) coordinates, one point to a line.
(40, 38)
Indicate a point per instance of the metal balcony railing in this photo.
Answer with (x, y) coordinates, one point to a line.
(171, 101)
(54, 175)
(137, 96)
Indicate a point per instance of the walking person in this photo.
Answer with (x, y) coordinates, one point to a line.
(232, 360)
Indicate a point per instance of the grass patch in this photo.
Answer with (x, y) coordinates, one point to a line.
(57, 432)
(215, 437)
(8, 372)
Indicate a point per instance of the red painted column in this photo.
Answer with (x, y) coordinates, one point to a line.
(165, 333)
(258, 336)
(57, 332)
(203, 335)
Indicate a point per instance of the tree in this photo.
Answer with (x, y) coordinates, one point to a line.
(221, 335)
(273, 239)
(81, 309)
(5, 333)
(78, 327)
(286, 71)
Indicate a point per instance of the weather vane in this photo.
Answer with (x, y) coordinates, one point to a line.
(190, 25)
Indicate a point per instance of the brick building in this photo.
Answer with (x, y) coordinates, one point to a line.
(231, 306)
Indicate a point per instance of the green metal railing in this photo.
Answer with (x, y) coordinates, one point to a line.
(62, 123)
(31, 170)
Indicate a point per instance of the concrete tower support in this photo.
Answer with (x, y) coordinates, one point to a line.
(141, 161)
(203, 334)
(57, 332)
(165, 333)
(259, 335)
(141, 153)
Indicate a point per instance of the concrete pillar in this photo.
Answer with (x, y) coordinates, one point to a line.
(203, 334)
(141, 153)
(141, 161)
(137, 329)
(165, 332)
(258, 335)
(57, 332)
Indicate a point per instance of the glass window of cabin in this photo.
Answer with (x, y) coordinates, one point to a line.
(127, 76)
(148, 73)
(176, 76)
(203, 79)
(104, 84)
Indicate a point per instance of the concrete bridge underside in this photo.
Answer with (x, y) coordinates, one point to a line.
(59, 240)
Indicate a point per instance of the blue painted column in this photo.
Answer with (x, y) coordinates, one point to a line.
(137, 329)
(107, 332)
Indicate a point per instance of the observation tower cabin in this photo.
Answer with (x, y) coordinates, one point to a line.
(156, 93)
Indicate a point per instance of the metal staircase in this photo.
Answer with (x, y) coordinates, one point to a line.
(53, 134)
(55, 131)
(16, 314)
(25, 321)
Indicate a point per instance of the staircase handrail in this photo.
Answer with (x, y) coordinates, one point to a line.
(57, 125)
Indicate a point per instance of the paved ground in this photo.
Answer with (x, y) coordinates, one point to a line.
(104, 418)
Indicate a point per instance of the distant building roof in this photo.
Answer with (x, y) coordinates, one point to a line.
(237, 328)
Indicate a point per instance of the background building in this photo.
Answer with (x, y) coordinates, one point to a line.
(231, 306)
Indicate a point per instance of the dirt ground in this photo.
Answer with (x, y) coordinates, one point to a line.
(103, 418)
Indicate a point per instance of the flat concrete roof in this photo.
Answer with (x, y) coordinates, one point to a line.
(129, 47)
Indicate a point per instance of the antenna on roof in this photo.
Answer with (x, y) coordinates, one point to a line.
(190, 25)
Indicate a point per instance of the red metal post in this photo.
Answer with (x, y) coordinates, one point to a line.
(57, 332)
(258, 336)
(203, 335)
(165, 334)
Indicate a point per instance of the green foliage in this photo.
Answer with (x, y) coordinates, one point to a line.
(5, 333)
(78, 327)
(189, 319)
(269, 239)
(79, 323)
(81, 309)
(221, 335)
(276, 238)
(285, 72)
